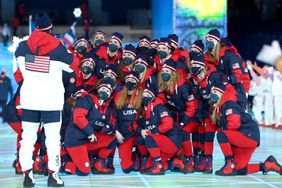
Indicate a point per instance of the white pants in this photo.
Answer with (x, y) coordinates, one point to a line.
(258, 108)
(29, 137)
(268, 109)
(278, 110)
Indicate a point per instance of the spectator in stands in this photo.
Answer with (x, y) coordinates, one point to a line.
(15, 25)
(6, 33)
(21, 12)
(86, 26)
(5, 89)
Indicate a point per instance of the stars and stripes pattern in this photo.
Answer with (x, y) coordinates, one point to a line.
(236, 66)
(37, 63)
(228, 112)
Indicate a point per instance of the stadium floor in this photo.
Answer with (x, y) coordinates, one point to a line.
(271, 142)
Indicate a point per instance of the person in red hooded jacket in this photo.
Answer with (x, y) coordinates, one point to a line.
(182, 102)
(233, 67)
(238, 134)
(201, 74)
(143, 45)
(91, 129)
(75, 83)
(42, 59)
(246, 80)
(129, 54)
(158, 139)
(98, 38)
(108, 56)
(80, 50)
(212, 40)
(179, 54)
(147, 74)
(127, 109)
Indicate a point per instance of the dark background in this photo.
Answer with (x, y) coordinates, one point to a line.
(251, 23)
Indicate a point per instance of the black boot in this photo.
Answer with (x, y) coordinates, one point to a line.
(28, 179)
(54, 180)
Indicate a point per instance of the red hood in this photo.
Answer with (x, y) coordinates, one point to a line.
(231, 48)
(178, 53)
(229, 95)
(209, 59)
(157, 101)
(43, 41)
(102, 53)
(182, 78)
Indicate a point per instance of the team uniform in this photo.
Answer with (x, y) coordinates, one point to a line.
(125, 122)
(232, 65)
(151, 137)
(163, 140)
(207, 129)
(238, 137)
(89, 116)
(42, 59)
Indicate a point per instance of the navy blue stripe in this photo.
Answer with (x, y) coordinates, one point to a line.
(60, 53)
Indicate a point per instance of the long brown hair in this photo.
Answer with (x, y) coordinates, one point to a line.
(170, 84)
(228, 95)
(135, 100)
(215, 109)
(217, 49)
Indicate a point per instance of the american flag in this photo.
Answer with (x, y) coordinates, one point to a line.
(236, 66)
(228, 112)
(191, 97)
(37, 63)
(164, 114)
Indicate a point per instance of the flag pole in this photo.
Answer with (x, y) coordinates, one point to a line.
(30, 24)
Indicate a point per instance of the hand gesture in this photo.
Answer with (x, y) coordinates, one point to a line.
(92, 138)
(119, 136)
(144, 133)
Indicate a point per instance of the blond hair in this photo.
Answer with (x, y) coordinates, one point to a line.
(135, 100)
(214, 115)
(217, 49)
(170, 84)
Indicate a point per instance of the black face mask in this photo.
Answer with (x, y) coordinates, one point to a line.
(127, 61)
(98, 42)
(139, 68)
(165, 76)
(146, 100)
(81, 50)
(196, 70)
(153, 52)
(113, 47)
(209, 45)
(109, 79)
(162, 54)
(130, 85)
(87, 70)
(213, 98)
(103, 95)
(142, 49)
